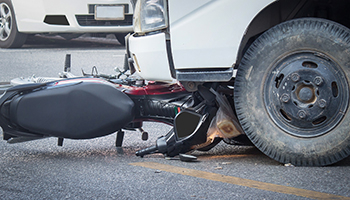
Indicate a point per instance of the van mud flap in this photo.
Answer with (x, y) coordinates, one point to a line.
(81, 108)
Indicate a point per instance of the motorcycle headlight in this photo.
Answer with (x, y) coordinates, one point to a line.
(150, 15)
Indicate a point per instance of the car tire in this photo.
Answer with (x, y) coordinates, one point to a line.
(9, 35)
(292, 92)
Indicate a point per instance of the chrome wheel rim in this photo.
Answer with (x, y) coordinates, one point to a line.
(5, 21)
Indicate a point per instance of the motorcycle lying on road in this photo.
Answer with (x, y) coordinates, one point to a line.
(96, 105)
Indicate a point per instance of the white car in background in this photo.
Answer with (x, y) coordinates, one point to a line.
(18, 18)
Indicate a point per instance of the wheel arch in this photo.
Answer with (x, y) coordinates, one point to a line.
(14, 11)
(284, 10)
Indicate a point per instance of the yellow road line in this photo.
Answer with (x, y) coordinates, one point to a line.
(239, 181)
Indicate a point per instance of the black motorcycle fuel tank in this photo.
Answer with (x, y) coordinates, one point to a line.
(76, 108)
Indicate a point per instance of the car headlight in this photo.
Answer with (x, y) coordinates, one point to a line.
(150, 15)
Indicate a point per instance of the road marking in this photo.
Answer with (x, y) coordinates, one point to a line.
(239, 181)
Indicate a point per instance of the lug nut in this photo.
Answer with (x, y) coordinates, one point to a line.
(322, 103)
(285, 98)
(295, 77)
(318, 80)
(302, 114)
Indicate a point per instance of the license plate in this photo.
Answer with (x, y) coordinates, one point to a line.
(109, 12)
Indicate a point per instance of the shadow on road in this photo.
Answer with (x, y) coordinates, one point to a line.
(56, 41)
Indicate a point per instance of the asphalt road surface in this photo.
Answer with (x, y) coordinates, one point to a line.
(95, 169)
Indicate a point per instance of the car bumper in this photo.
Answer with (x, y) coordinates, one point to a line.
(148, 56)
(30, 16)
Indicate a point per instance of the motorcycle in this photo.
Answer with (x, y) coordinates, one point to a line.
(96, 105)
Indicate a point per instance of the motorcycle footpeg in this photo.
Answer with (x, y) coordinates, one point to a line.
(187, 158)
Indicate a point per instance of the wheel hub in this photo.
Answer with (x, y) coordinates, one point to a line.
(308, 95)
(304, 94)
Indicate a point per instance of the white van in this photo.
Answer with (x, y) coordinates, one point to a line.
(287, 62)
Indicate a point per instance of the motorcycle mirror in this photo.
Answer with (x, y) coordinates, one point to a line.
(186, 124)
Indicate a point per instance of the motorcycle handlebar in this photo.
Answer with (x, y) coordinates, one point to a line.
(146, 151)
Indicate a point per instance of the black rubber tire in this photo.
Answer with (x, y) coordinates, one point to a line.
(14, 39)
(291, 138)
